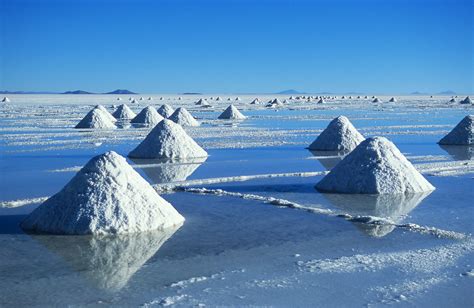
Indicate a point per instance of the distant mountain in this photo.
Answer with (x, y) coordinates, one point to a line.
(447, 92)
(290, 91)
(77, 92)
(192, 93)
(121, 91)
(417, 93)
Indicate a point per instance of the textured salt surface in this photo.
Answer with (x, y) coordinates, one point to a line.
(96, 118)
(123, 112)
(339, 135)
(106, 196)
(165, 110)
(376, 166)
(168, 140)
(182, 117)
(148, 116)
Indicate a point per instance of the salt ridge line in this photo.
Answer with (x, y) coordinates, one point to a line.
(167, 187)
(369, 220)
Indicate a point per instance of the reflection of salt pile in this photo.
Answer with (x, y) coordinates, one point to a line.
(168, 140)
(159, 171)
(391, 207)
(467, 100)
(393, 100)
(123, 112)
(106, 113)
(328, 159)
(5, 100)
(96, 118)
(182, 117)
(148, 116)
(165, 110)
(339, 135)
(459, 152)
(232, 113)
(375, 166)
(107, 262)
(462, 134)
(107, 196)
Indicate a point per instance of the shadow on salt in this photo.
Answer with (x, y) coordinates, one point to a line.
(160, 171)
(106, 262)
(459, 152)
(392, 207)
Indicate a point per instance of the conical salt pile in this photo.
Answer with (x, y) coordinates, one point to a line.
(467, 100)
(255, 102)
(107, 196)
(96, 118)
(5, 100)
(123, 112)
(274, 103)
(201, 102)
(321, 101)
(376, 166)
(167, 140)
(462, 134)
(452, 100)
(165, 110)
(106, 112)
(393, 100)
(182, 117)
(339, 135)
(232, 113)
(376, 100)
(148, 116)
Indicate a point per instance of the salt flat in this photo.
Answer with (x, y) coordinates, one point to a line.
(256, 231)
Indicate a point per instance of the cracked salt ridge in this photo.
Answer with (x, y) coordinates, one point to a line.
(369, 220)
(419, 260)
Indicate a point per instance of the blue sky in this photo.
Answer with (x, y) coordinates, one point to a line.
(391, 46)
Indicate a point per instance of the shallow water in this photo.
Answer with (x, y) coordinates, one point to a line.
(261, 240)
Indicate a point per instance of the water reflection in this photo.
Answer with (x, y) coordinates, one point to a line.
(459, 152)
(328, 159)
(394, 207)
(107, 262)
(165, 171)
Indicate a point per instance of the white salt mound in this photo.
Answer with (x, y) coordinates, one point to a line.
(255, 102)
(452, 100)
(467, 100)
(232, 113)
(201, 102)
(5, 100)
(393, 100)
(321, 101)
(182, 117)
(96, 118)
(274, 103)
(339, 135)
(106, 112)
(165, 110)
(107, 196)
(376, 100)
(168, 140)
(148, 116)
(123, 112)
(375, 166)
(462, 134)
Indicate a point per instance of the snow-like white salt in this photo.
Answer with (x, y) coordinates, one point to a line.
(376, 100)
(165, 110)
(168, 140)
(255, 102)
(107, 196)
(5, 100)
(393, 100)
(96, 118)
(339, 135)
(148, 116)
(462, 134)
(232, 113)
(123, 112)
(182, 117)
(375, 166)
(106, 112)
(467, 100)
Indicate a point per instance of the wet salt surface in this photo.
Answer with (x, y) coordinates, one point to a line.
(235, 251)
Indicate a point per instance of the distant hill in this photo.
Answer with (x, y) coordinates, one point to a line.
(417, 93)
(192, 93)
(77, 92)
(121, 91)
(290, 91)
(447, 92)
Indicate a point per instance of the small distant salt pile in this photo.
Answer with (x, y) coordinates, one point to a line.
(5, 100)
(150, 98)
(393, 100)
(123, 112)
(255, 102)
(467, 100)
(182, 117)
(376, 100)
(375, 166)
(232, 113)
(96, 118)
(203, 103)
(161, 98)
(129, 98)
(107, 196)
(167, 140)
(106, 112)
(366, 97)
(343, 97)
(133, 101)
(148, 116)
(165, 110)
(452, 100)
(358, 96)
(218, 98)
(141, 98)
(291, 97)
(462, 134)
(119, 98)
(339, 135)
(274, 103)
(238, 98)
(321, 101)
(180, 98)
